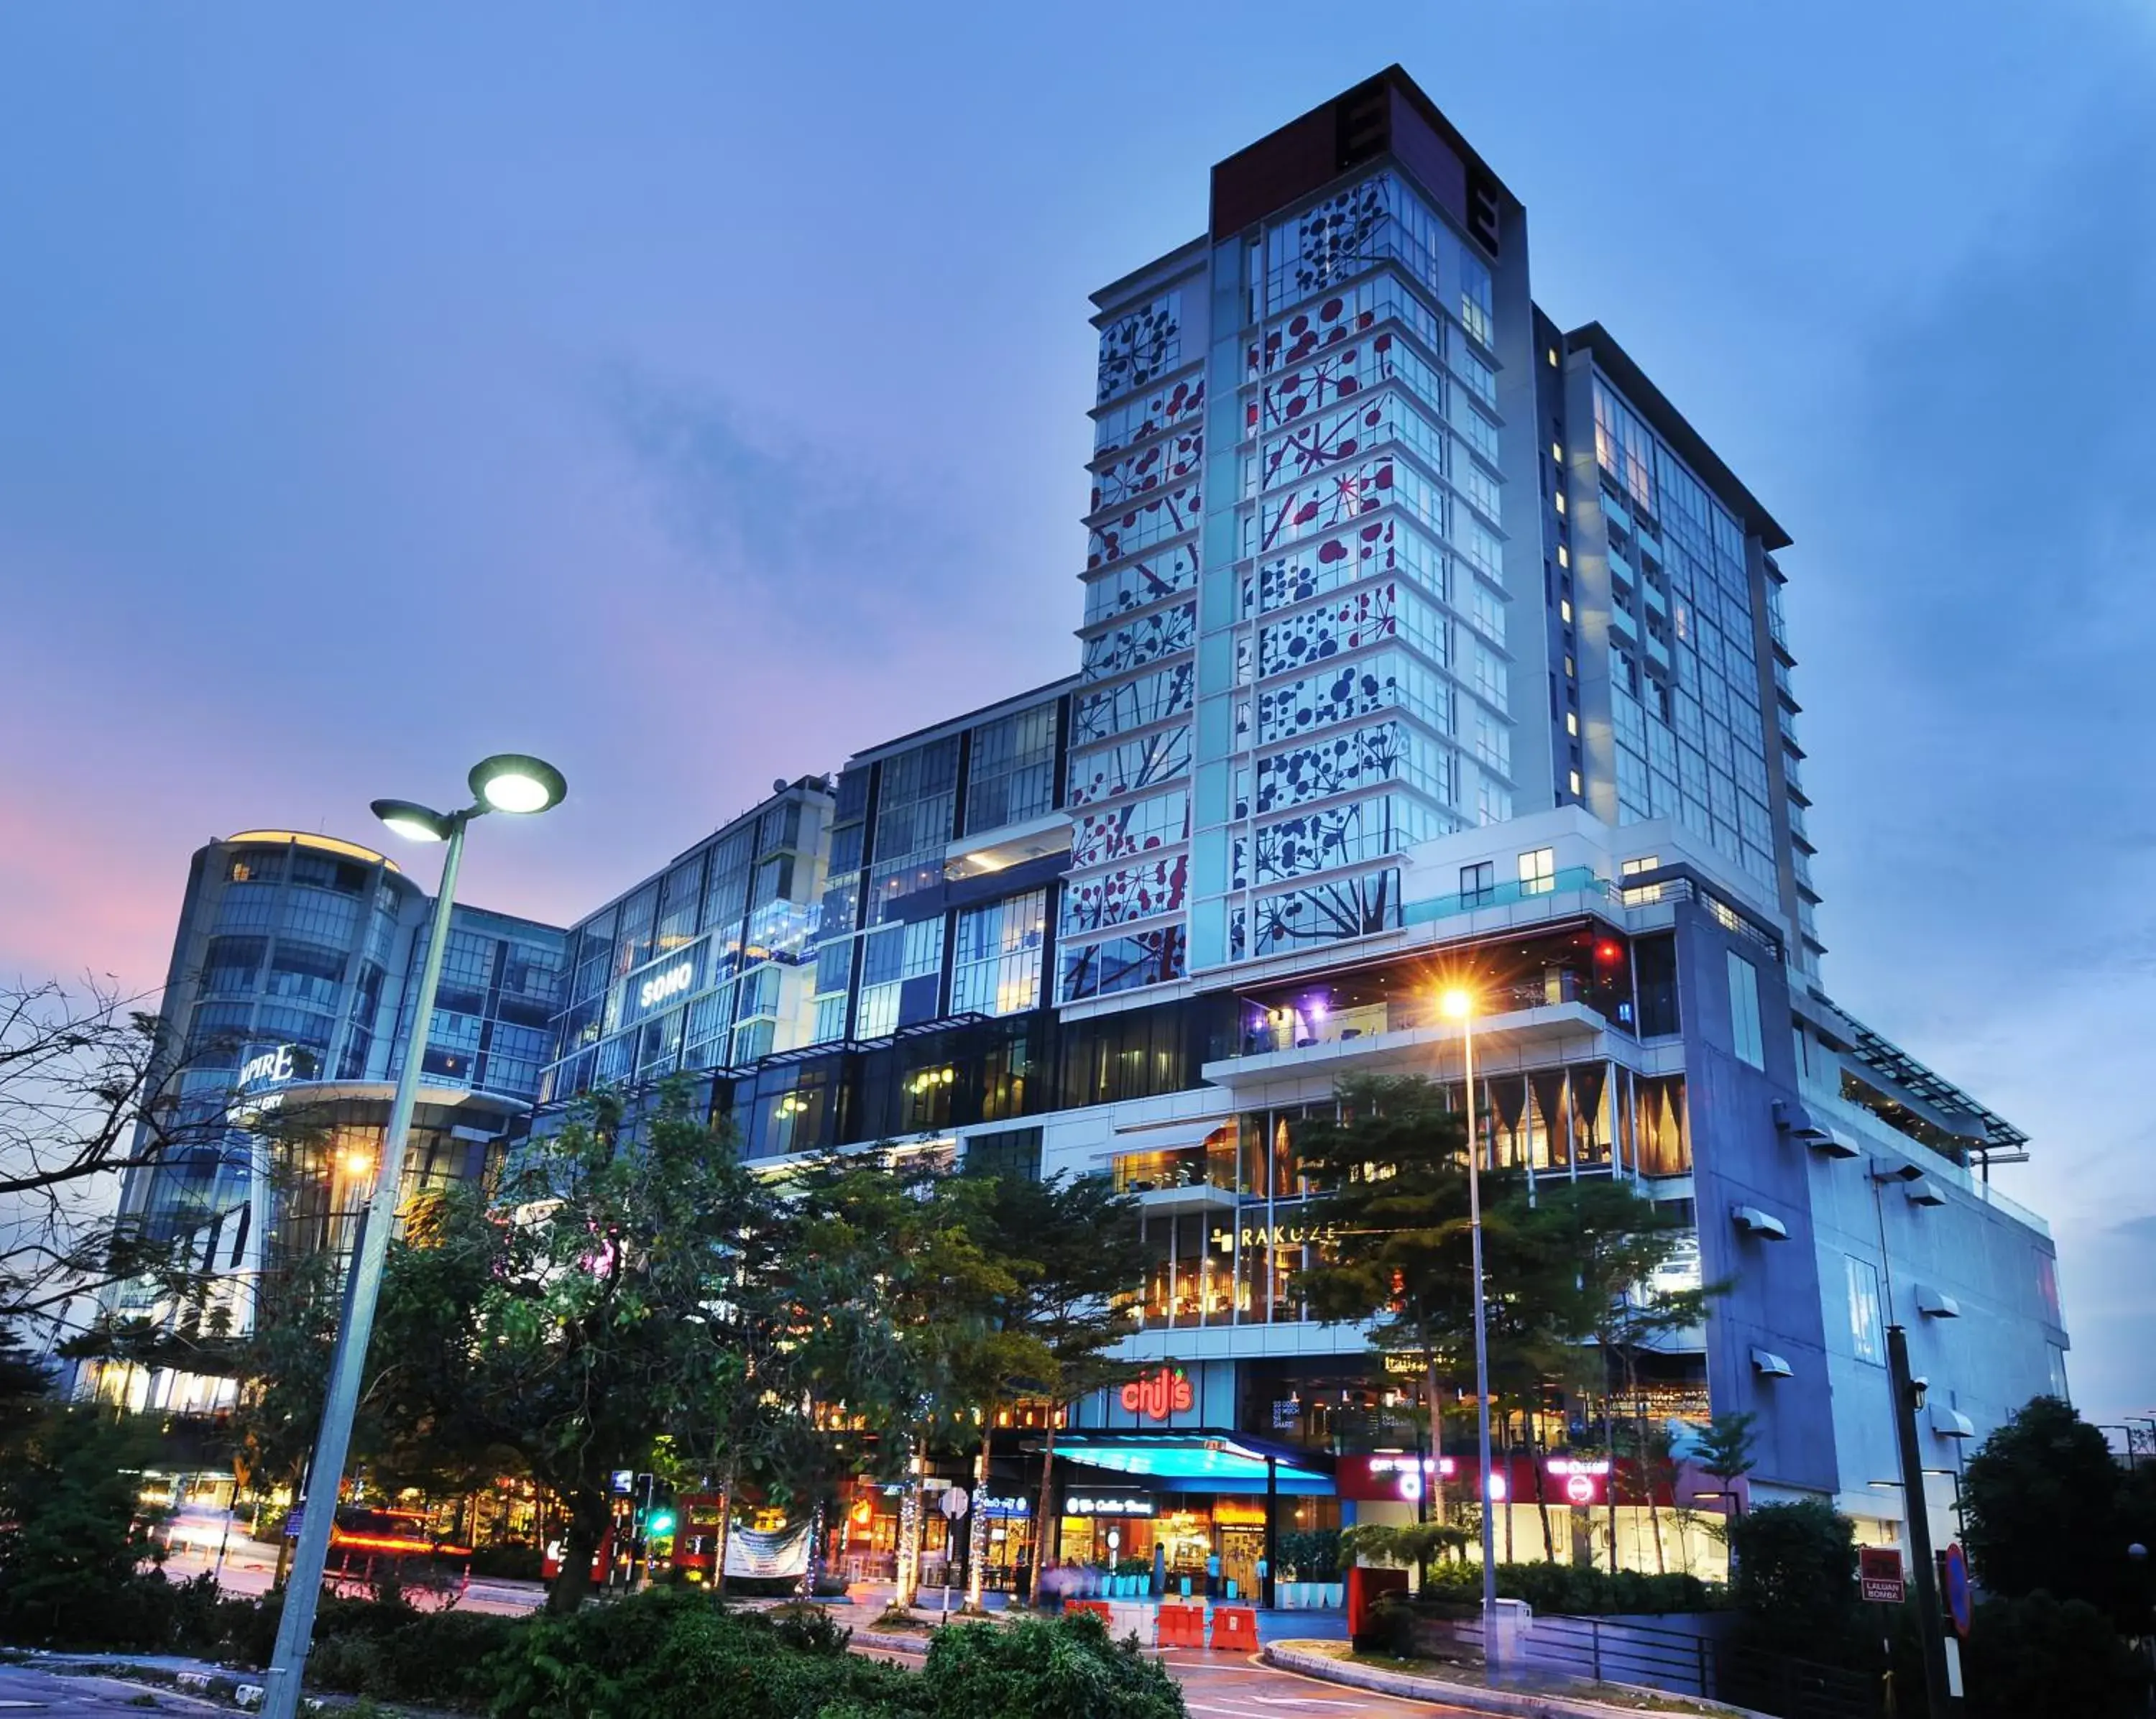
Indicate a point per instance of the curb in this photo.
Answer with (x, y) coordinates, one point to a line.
(1303, 1657)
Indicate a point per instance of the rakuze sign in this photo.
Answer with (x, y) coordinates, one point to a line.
(1158, 1395)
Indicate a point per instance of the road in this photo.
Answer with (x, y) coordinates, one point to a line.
(25, 1689)
(248, 1565)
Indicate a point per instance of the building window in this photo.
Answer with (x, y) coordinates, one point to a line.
(1009, 1152)
(995, 966)
(1558, 499)
(1538, 868)
(1572, 723)
(1552, 358)
(1575, 782)
(1478, 884)
(1744, 1011)
(1012, 776)
(1866, 1340)
(1565, 610)
(1556, 452)
(1563, 556)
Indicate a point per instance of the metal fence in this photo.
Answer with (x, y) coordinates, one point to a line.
(1612, 1651)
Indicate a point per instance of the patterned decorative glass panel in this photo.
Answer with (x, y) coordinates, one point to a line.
(1145, 639)
(1164, 514)
(1364, 616)
(1341, 835)
(1140, 346)
(1381, 297)
(1133, 704)
(1324, 439)
(1094, 902)
(1312, 569)
(1348, 691)
(1133, 764)
(1135, 583)
(1124, 963)
(1130, 829)
(1145, 469)
(1337, 763)
(1322, 913)
(1336, 374)
(1149, 415)
(1323, 505)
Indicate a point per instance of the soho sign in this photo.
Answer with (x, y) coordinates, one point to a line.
(672, 983)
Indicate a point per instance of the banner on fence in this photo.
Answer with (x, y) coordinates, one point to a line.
(783, 1553)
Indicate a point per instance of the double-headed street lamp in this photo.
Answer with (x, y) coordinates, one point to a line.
(508, 782)
(1459, 1004)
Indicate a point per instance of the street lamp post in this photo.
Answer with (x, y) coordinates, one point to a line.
(506, 782)
(1460, 1005)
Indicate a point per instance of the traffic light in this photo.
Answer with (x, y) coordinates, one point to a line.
(660, 1522)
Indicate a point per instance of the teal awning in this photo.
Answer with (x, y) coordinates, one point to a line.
(1191, 1462)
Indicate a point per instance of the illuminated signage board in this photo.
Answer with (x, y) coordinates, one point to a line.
(999, 1504)
(664, 983)
(661, 987)
(1107, 1504)
(1158, 1395)
(267, 1068)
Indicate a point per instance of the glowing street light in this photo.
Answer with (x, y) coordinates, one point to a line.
(1457, 1004)
(508, 782)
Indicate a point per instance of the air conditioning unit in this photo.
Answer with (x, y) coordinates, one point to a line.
(1895, 1170)
(1768, 1365)
(1921, 1193)
(1754, 1222)
(1937, 1304)
(1793, 1120)
(1952, 1423)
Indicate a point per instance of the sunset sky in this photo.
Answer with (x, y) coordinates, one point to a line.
(695, 394)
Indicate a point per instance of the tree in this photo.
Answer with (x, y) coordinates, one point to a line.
(72, 1532)
(577, 1316)
(1724, 1447)
(88, 1090)
(899, 1310)
(1795, 1579)
(1393, 1215)
(2050, 1509)
(1596, 1247)
(1073, 1251)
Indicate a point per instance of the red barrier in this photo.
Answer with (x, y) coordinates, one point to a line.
(1180, 1626)
(1099, 1608)
(1235, 1626)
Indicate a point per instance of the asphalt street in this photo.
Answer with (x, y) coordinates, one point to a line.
(23, 1689)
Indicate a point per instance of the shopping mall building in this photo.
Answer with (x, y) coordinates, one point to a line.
(1420, 636)
(291, 989)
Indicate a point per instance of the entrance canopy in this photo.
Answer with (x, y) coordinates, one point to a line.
(1198, 1461)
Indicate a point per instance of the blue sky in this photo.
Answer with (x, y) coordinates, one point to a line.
(695, 394)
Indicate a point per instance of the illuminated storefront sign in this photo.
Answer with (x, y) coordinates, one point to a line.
(1158, 1395)
(1271, 1236)
(662, 985)
(1107, 1504)
(998, 1503)
(267, 1068)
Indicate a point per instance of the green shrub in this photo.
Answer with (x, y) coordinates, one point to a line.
(1794, 1577)
(672, 1654)
(1059, 1668)
(1310, 1555)
(2036, 1655)
(1573, 1589)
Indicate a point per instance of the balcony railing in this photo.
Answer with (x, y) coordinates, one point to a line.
(1573, 879)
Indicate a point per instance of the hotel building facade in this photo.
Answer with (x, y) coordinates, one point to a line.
(1418, 633)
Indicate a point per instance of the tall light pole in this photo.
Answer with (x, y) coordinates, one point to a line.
(509, 782)
(1459, 1005)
